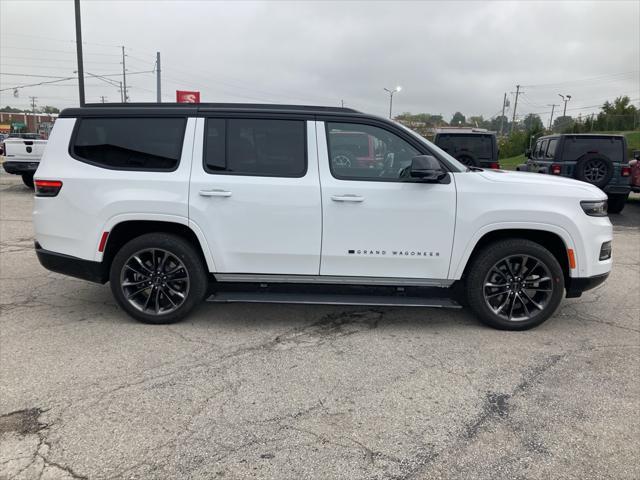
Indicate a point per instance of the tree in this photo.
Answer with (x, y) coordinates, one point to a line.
(619, 115)
(560, 124)
(457, 119)
(8, 109)
(48, 109)
(533, 123)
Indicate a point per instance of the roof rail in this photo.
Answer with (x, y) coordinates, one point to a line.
(224, 106)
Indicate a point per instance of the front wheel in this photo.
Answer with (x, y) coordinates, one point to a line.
(616, 203)
(514, 284)
(158, 278)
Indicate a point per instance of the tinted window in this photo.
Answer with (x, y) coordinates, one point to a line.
(480, 146)
(575, 147)
(543, 148)
(275, 148)
(214, 149)
(551, 149)
(358, 152)
(130, 143)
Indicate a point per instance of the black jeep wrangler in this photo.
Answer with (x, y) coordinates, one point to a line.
(474, 148)
(597, 159)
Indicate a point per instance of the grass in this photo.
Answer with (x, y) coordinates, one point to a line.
(512, 162)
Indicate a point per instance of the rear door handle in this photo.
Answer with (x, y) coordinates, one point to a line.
(215, 193)
(347, 198)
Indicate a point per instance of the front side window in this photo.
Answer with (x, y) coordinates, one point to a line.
(130, 143)
(258, 147)
(364, 152)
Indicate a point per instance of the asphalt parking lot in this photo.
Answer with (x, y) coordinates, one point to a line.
(296, 392)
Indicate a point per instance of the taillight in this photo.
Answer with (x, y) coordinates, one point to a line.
(555, 169)
(625, 172)
(495, 165)
(47, 188)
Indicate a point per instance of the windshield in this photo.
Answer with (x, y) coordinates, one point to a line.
(455, 163)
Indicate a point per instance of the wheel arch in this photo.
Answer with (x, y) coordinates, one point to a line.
(552, 241)
(127, 229)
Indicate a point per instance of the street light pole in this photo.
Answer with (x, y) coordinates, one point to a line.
(565, 99)
(391, 92)
(79, 53)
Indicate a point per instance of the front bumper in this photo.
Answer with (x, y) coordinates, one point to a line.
(20, 168)
(72, 266)
(577, 285)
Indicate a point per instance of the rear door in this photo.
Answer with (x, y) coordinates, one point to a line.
(255, 193)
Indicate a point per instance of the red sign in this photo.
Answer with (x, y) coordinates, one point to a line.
(183, 96)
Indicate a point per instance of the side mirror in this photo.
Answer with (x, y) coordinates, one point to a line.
(527, 153)
(426, 168)
(636, 154)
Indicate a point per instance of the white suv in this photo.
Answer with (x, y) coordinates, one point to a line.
(267, 203)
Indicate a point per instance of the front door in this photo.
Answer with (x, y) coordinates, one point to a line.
(375, 223)
(255, 194)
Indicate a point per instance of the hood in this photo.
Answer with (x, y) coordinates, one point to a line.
(542, 180)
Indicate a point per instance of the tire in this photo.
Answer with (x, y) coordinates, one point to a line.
(594, 168)
(27, 179)
(467, 160)
(617, 202)
(170, 297)
(508, 310)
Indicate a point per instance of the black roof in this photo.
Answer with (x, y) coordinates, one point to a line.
(586, 135)
(181, 109)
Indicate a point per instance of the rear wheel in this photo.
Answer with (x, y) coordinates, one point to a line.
(617, 202)
(514, 284)
(158, 278)
(467, 160)
(27, 179)
(595, 169)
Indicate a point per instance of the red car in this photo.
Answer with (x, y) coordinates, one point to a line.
(635, 171)
(354, 149)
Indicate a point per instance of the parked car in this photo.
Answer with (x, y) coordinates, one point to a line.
(173, 202)
(596, 159)
(22, 156)
(471, 147)
(635, 171)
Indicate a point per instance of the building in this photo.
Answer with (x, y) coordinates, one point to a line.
(11, 122)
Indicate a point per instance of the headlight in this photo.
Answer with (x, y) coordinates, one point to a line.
(595, 209)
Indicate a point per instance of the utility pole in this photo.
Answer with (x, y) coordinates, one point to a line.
(515, 107)
(124, 77)
(342, 103)
(553, 107)
(504, 104)
(121, 93)
(79, 53)
(33, 112)
(158, 85)
(102, 98)
(391, 92)
(565, 99)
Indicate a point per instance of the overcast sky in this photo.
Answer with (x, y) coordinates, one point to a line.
(447, 56)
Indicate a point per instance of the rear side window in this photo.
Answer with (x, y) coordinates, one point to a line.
(551, 149)
(130, 143)
(576, 147)
(258, 147)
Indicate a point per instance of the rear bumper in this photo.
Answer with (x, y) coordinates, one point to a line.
(578, 285)
(72, 266)
(20, 167)
(617, 189)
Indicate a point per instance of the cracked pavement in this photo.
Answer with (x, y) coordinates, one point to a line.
(318, 392)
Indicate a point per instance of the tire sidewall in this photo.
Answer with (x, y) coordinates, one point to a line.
(492, 254)
(178, 247)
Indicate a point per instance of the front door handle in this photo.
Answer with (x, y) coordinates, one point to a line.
(215, 193)
(347, 198)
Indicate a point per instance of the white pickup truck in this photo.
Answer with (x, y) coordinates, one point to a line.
(22, 154)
